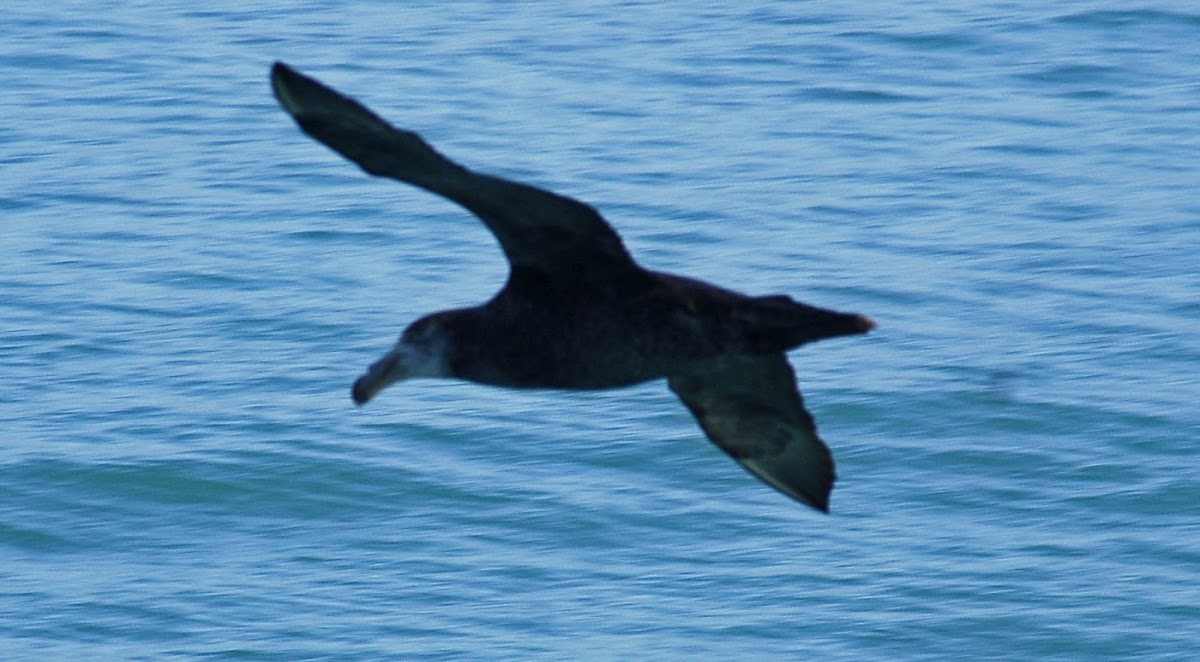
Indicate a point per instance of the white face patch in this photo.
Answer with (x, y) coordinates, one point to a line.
(421, 357)
(419, 354)
(422, 349)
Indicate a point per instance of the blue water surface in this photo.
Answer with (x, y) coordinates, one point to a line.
(190, 285)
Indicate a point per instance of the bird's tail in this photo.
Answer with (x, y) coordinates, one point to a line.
(782, 323)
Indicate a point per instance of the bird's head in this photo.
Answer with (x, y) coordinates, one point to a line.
(421, 352)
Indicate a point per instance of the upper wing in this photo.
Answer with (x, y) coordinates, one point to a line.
(751, 408)
(537, 229)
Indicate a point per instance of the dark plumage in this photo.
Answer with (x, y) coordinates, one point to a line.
(578, 313)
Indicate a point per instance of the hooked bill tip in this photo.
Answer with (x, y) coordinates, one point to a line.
(361, 393)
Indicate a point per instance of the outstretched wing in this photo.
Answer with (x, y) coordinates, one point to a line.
(538, 230)
(750, 407)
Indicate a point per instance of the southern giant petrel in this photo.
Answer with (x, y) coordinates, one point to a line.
(578, 313)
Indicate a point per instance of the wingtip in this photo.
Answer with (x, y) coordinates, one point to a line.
(297, 93)
(279, 71)
(280, 75)
(818, 504)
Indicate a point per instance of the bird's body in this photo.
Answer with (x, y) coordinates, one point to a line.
(614, 337)
(578, 312)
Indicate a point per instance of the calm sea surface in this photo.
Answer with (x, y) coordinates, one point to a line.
(190, 285)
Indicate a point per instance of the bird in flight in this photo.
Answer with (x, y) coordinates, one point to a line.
(577, 312)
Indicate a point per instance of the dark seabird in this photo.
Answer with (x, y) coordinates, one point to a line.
(578, 313)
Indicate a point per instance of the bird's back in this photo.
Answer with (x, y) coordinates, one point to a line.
(607, 337)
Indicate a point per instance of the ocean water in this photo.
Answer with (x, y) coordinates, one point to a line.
(190, 285)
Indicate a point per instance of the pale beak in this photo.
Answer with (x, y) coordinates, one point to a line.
(382, 374)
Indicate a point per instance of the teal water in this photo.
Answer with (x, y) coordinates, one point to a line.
(191, 285)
